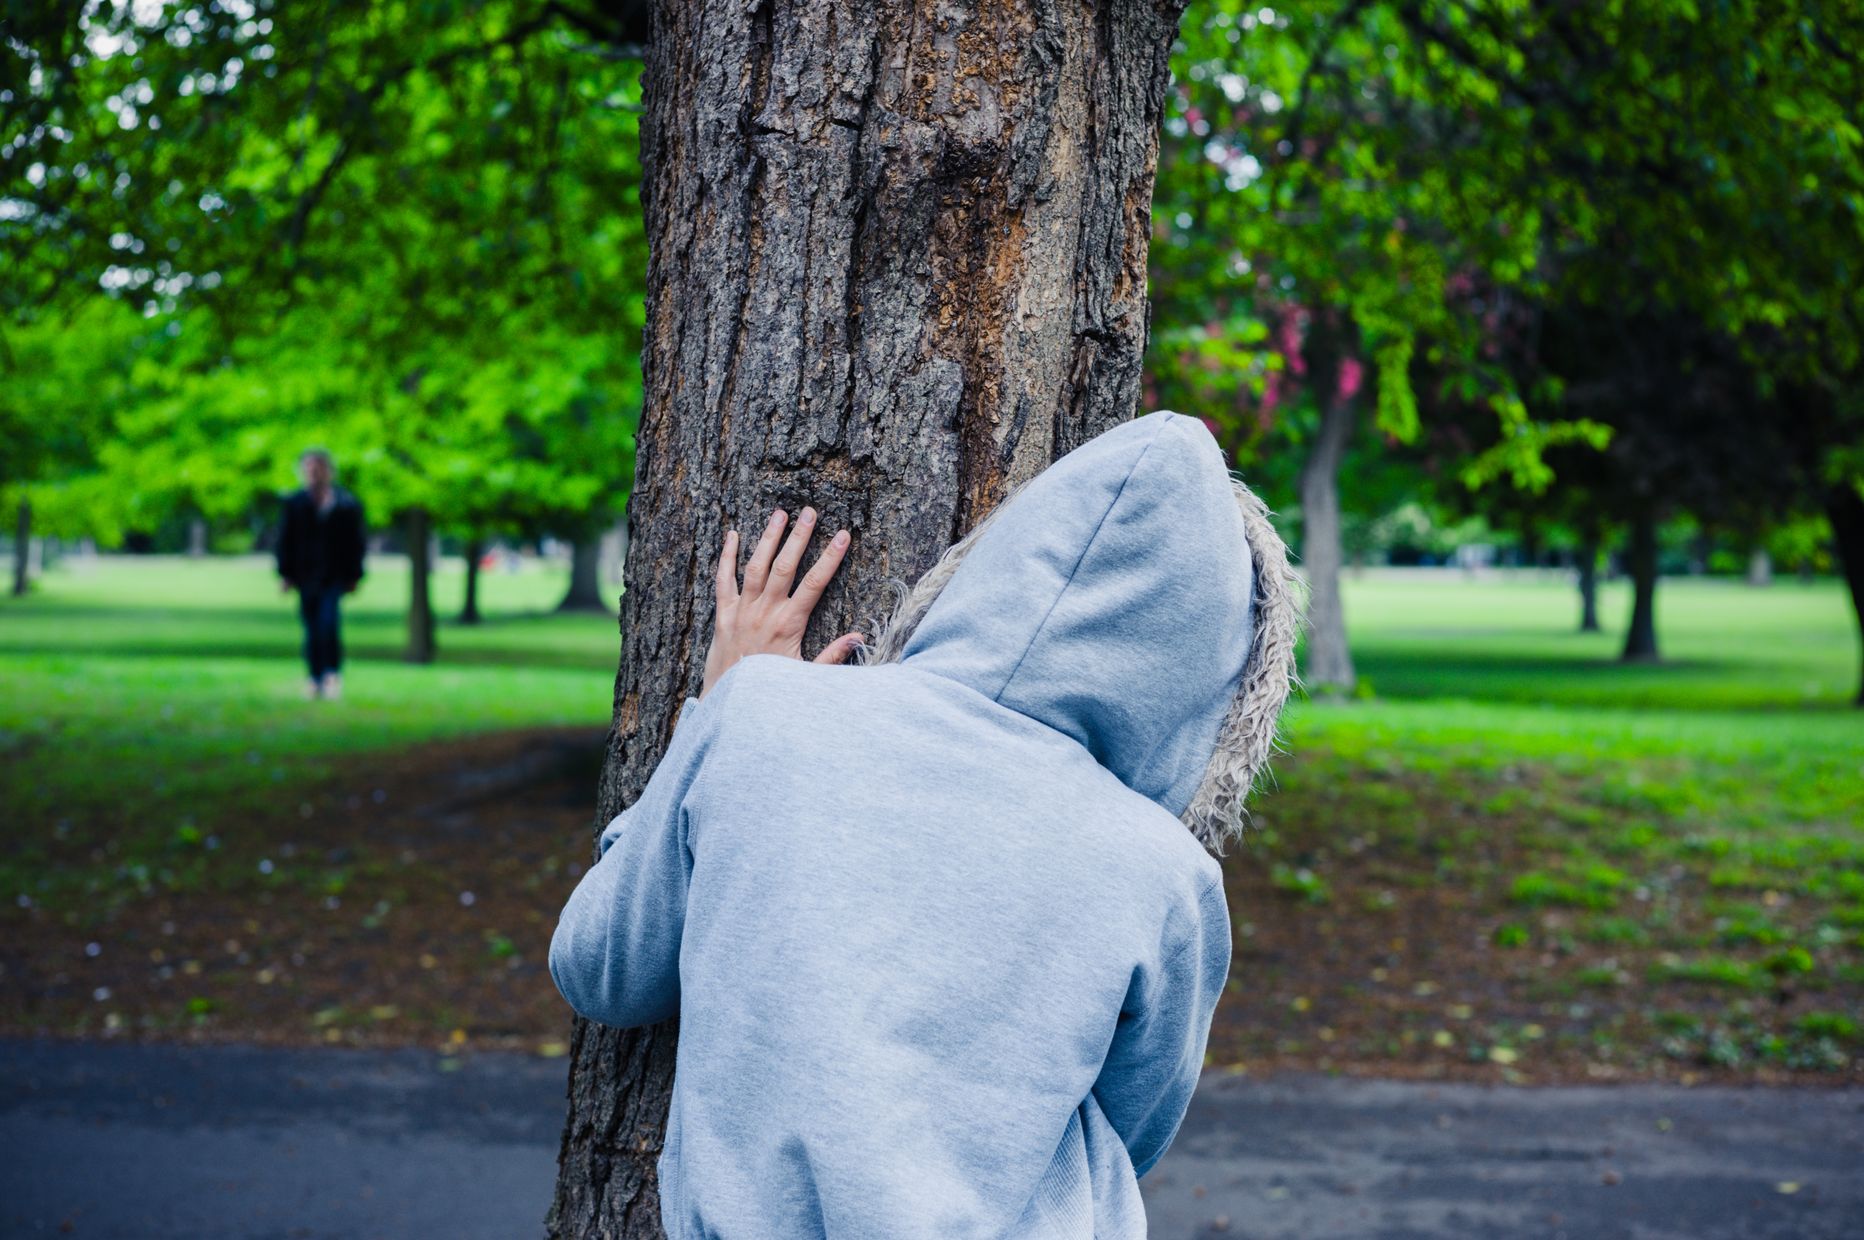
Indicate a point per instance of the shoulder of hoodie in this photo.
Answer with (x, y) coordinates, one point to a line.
(768, 682)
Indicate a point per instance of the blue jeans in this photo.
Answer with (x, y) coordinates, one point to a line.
(323, 640)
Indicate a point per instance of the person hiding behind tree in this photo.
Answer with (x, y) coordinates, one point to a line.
(320, 554)
(944, 931)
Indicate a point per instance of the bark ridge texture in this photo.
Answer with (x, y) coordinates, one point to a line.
(897, 264)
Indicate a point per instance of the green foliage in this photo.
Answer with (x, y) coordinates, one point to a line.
(408, 234)
(1790, 961)
(1709, 971)
(1834, 1025)
(1315, 183)
(1511, 935)
(60, 375)
(1432, 193)
(1594, 890)
(1301, 883)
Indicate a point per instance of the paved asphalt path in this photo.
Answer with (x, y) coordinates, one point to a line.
(117, 1140)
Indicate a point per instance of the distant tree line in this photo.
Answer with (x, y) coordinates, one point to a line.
(1579, 268)
(236, 231)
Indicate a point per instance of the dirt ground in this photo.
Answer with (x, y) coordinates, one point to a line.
(410, 901)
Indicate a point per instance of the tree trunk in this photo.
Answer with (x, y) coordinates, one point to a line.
(897, 264)
(421, 646)
(1329, 659)
(469, 610)
(1844, 508)
(1760, 567)
(22, 549)
(1589, 580)
(585, 592)
(1641, 638)
(1530, 544)
(197, 537)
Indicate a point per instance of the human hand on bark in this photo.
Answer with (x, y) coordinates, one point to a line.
(764, 617)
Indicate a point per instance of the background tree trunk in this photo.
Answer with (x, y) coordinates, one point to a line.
(1760, 567)
(1589, 580)
(22, 549)
(469, 609)
(421, 645)
(898, 263)
(1329, 658)
(1641, 637)
(614, 550)
(1531, 547)
(197, 537)
(585, 592)
(1844, 507)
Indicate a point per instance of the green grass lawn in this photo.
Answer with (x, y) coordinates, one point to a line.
(147, 696)
(1755, 683)
(1725, 645)
(1639, 865)
(1514, 851)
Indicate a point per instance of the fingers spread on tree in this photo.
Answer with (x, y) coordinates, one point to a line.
(822, 571)
(758, 570)
(784, 570)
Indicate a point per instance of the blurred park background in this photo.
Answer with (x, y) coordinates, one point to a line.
(1538, 324)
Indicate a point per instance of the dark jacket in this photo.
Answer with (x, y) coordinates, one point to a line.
(321, 551)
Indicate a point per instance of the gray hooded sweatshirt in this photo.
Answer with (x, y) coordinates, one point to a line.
(944, 956)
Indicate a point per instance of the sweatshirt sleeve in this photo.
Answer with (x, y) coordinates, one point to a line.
(615, 956)
(1157, 1053)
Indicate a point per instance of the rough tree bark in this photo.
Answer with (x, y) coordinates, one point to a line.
(22, 549)
(898, 259)
(585, 592)
(1641, 637)
(469, 609)
(1844, 507)
(1589, 580)
(421, 645)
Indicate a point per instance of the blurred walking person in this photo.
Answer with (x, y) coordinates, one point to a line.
(320, 549)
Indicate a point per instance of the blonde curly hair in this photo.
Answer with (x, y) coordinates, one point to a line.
(1249, 735)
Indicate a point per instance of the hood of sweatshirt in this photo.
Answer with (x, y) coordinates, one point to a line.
(1110, 600)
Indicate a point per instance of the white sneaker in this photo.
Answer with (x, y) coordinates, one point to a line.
(312, 691)
(333, 686)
